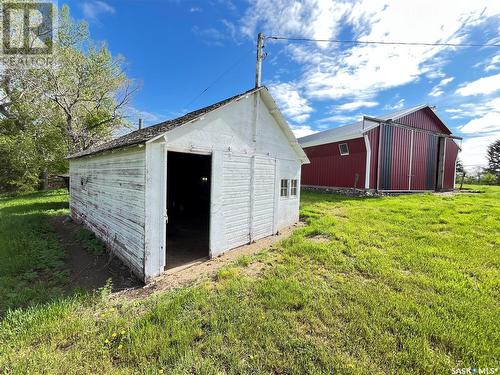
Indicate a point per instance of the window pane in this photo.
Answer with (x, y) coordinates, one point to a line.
(284, 188)
(293, 188)
(344, 149)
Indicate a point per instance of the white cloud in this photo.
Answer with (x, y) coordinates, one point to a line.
(133, 114)
(330, 72)
(339, 119)
(400, 104)
(493, 64)
(487, 120)
(216, 36)
(445, 81)
(210, 36)
(231, 28)
(474, 149)
(482, 86)
(480, 131)
(92, 10)
(352, 106)
(476, 109)
(313, 18)
(487, 123)
(438, 89)
(290, 101)
(195, 9)
(302, 130)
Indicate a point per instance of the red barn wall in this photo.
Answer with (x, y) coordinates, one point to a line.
(330, 169)
(424, 119)
(451, 153)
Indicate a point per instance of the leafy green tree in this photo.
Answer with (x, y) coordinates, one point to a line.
(460, 167)
(493, 155)
(460, 173)
(27, 155)
(70, 106)
(488, 178)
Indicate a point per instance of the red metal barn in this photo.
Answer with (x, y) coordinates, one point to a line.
(408, 150)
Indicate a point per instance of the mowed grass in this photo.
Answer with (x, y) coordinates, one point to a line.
(405, 284)
(31, 260)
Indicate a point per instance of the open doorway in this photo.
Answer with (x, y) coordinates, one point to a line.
(188, 207)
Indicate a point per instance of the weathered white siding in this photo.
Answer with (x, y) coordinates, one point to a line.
(264, 197)
(250, 155)
(107, 195)
(236, 178)
(121, 195)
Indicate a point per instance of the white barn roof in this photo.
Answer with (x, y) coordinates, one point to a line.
(352, 131)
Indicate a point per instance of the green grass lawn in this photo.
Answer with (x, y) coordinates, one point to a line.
(404, 284)
(31, 260)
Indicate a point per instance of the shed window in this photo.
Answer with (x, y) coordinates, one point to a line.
(293, 188)
(344, 149)
(284, 188)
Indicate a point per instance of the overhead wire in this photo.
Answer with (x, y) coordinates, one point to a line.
(355, 41)
(337, 41)
(219, 77)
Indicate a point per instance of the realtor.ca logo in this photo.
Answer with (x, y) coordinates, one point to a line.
(28, 31)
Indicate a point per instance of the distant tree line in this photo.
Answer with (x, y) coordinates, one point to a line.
(69, 106)
(489, 175)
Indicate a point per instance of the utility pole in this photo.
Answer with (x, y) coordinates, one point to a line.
(260, 57)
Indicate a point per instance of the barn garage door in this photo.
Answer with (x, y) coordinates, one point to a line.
(395, 158)
(264, 193)
(424, 161)
(236, 199)
(408, 159)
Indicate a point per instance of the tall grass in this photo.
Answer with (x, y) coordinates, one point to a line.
(31, 260)
(406, 284)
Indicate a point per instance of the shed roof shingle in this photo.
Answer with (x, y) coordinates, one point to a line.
(145, 134)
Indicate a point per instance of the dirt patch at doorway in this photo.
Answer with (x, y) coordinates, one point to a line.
(86, 270)
(203, 269)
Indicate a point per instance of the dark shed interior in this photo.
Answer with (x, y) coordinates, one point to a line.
(188, 208)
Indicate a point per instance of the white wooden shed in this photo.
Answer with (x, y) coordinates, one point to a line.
(193, 187)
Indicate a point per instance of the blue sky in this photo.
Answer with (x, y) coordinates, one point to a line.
(177, 48)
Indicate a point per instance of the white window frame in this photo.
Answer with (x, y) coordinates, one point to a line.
(287, 187)
(340, 149)
(294, 189)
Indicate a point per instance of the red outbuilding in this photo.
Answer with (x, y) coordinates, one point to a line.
(408, 150)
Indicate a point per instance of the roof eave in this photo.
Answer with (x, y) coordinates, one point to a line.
(111, 149)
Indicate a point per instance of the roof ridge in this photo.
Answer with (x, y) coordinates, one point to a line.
(205, 109)
(143, 135)
(402, 112)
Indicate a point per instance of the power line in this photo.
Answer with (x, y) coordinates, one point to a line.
(219, 77)
(339, 41)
